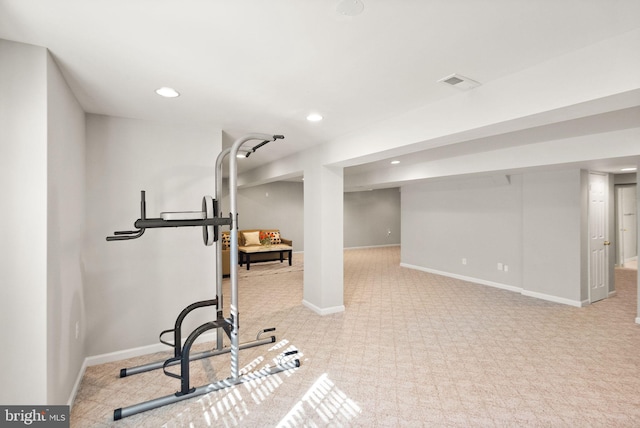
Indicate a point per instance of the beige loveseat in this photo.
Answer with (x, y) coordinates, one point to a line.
(276, 242)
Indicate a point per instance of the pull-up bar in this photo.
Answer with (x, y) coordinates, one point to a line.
(208, 220)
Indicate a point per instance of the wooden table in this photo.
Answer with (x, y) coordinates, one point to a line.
(244, 253)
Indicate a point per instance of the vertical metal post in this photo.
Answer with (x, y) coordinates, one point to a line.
(233, 190)
(217, 196)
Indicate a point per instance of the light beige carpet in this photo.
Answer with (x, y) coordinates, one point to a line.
(412, 349)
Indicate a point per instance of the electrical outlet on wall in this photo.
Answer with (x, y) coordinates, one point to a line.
(499, 266)
(464, 260)
(77, 329)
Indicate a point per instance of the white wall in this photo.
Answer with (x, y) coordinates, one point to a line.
(372, 218)
(65, 234)
(42, 154)
(23, 213)
(134, 289)
(323, 232)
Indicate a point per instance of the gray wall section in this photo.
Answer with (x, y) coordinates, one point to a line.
(368, 216)
(476, 220)
(372, 218)
(277, 205)
(134, 289)
(536, 225)
(552, 234)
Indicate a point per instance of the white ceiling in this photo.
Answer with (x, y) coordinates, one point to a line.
(262, 66)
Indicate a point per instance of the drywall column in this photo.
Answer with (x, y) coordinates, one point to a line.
(638, 230)
(65, 236)
(323, 238)
(23, 265)
(552, 236)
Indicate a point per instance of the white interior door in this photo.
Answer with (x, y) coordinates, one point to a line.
(598, 243)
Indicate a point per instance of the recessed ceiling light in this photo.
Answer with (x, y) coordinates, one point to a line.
(629, 169)
(395, 162)
(167, 92)
(314, 117)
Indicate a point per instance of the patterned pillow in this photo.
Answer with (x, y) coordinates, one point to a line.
(226, 241)
(275, 238)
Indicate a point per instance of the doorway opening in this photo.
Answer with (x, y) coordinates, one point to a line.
(626, 226)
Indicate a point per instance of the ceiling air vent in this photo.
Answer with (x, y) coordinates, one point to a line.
(459, 82)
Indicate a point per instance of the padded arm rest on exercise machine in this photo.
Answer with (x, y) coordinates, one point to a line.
(183, 215)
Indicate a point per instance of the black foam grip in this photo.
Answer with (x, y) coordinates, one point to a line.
(123, 372)
(117, 414)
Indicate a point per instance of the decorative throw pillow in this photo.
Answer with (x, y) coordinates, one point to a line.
(275, 238)
(251, 238)
(226, 241)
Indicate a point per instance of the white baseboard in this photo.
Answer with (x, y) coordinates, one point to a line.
(371, 246)
(555, 299)
(537, 295)
(76, 385)
(123, 355)
(465, 278)
(323, 311)
(139, 351)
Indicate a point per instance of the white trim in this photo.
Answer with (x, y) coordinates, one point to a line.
(555, 299)
(371, 246)
(464, 278)
(123, 355)
(139, 351)
(507, 287)
(638, 320)
(76, 385)
(323, 311)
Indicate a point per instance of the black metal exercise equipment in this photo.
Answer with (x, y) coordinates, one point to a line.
(210, 223)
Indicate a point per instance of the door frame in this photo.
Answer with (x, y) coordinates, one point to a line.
(605, 236)
(621, 255)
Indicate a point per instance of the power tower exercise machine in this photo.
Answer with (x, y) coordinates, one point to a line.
(210, 222)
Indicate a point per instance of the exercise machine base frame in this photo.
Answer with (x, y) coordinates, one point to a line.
(124, 412)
